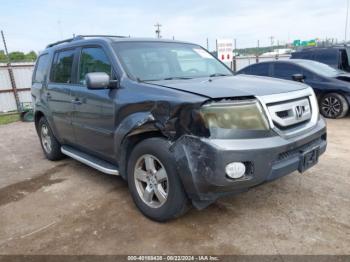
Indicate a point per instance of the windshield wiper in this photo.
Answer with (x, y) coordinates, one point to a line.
(176, 77)
(167, 78)
(217, 74)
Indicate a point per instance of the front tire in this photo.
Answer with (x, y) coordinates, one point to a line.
(49, 143)
(333, 105)
(153, 181)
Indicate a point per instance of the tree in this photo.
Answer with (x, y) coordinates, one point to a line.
(17, 56)
(31, 56)
(3, 58)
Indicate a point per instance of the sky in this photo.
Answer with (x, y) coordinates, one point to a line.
(32, 24)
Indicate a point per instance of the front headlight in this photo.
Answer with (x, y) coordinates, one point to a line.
(237, 115)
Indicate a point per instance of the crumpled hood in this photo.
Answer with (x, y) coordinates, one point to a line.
(233, 86)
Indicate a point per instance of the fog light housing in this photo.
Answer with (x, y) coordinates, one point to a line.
(235, 170)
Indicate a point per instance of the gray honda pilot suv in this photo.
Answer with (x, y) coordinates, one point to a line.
(171, 119)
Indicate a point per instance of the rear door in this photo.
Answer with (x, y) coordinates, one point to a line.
(94, 111)
(58, 93)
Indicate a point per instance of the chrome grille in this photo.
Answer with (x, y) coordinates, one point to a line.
(290, 113)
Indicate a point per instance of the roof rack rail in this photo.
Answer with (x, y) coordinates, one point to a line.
(80, 37)
(312, 48)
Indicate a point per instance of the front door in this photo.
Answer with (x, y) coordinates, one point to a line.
(94, 110)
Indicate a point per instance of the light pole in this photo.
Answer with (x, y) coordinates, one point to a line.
(158, 30)
(346, 21)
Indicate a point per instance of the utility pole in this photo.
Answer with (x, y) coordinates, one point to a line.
(257, 51)
(234, 55)
(207, 44)
(346, 21)
(12, 77)
(271, 41)
(158, 30)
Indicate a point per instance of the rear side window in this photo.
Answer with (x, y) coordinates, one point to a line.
(93, 59)
(41, 69)
(260, 69)
(62, 67)
(285, 70)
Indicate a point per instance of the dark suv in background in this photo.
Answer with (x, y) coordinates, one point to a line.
(337, 56)
(171, 119)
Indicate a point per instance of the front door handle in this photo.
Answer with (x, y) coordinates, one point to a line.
(76, 101)
(48, 96)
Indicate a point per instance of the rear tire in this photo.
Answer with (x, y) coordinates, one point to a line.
(153, 181)
(333, 105)
(49, 143)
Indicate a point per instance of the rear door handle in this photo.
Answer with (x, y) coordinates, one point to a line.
(48, 96)
(76, 101)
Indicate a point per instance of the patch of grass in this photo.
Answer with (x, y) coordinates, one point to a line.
(8, 118)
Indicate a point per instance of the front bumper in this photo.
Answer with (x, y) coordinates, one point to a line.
(201, 162)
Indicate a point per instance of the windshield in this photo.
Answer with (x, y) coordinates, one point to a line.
(319, 68)
(152, 61)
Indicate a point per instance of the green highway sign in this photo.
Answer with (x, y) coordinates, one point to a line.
(304, 43)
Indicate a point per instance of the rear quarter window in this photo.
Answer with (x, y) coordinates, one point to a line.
(41, 69)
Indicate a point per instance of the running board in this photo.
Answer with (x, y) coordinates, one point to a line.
(91, 161)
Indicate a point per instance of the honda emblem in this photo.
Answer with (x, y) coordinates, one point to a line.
(299, 111)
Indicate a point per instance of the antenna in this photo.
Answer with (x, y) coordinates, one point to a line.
(158, 30)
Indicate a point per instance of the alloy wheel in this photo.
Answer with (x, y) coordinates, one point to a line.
(46, 139)
(151, 180)
(331, 106)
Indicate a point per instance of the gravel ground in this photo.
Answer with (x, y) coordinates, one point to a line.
(67, 208)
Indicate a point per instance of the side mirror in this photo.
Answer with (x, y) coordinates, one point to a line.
(298, 77)
(98, 80)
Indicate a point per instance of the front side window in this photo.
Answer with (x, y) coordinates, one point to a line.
(286, 71)
(152, 61)
(319, 68)
(41, 69)
(93, 59)
(62, 67)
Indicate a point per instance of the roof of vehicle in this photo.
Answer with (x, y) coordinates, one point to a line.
(318, 49)
(108, 38)
(293, 61)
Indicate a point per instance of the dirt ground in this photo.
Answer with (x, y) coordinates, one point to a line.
(67, 208)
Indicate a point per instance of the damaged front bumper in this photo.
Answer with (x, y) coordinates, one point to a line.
(201, 162)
